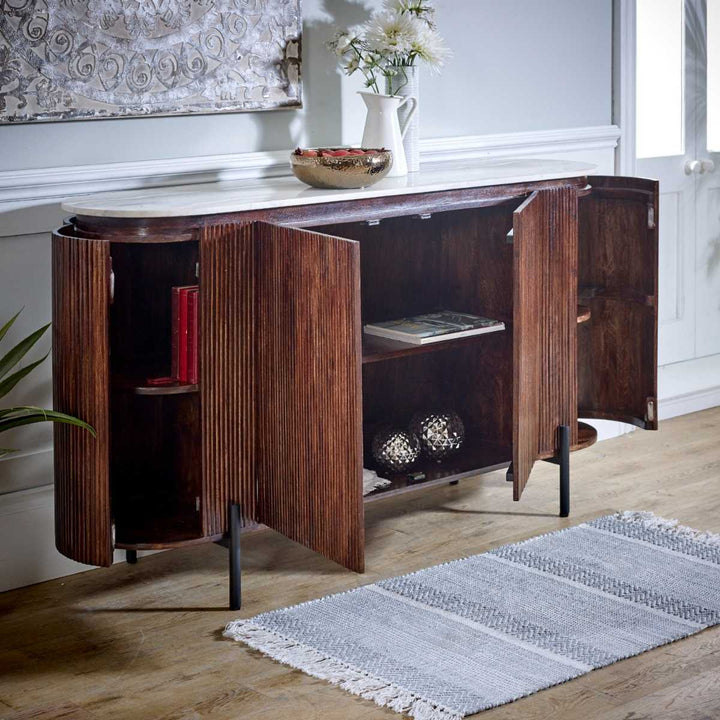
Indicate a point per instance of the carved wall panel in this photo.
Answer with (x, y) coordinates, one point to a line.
(86, 59)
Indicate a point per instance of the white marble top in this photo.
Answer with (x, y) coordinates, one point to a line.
(286, 191)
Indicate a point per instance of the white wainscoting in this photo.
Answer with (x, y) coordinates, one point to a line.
(29, 205)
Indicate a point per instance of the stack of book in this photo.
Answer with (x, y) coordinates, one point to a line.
(185, 334)
(434, 327)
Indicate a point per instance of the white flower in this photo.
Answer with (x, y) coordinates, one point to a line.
(393, 33)
(421, 9)
(340, 44)
(431, 48)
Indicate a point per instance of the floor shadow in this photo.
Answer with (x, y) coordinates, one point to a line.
(460, 511)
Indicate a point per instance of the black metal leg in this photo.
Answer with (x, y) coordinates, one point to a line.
(509, 474)
(131, 557)
(564, 470)
(235, 570)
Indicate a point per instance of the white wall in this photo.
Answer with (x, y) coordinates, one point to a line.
(521, 67)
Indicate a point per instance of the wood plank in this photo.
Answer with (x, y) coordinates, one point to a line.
(81, 379)
(309, 403)
(545, 319)
(227, 364)
(618, 277)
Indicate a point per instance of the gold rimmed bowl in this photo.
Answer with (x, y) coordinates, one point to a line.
(341, 168)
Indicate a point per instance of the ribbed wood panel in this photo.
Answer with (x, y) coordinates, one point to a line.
(544, 328)
(558, 321)
(83, 530)
(309, 391)
(227, 387)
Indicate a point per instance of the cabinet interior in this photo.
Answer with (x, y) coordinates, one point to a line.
(155, 466)
(456, 260)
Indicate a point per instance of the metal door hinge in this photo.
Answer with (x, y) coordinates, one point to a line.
(373, 222)
(651, 217)
(197, 503)
(111, 280)
(650, 410)
(197, 269)
(425, 216)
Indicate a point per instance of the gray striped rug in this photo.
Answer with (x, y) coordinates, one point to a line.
(449, 641)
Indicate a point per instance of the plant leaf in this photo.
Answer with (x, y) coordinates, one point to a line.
(11, 381)
(31, 415)
(14, 356)
(9, 323)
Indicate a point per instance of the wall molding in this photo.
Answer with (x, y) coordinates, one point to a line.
(20, 188)
(688, 403)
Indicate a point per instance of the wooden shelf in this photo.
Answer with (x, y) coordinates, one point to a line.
(377, 349)
(475, 458)
(174, 389)
(139, 387)
(587, 436)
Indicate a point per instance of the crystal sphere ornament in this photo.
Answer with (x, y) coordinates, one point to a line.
(441, 432)
(396, 450)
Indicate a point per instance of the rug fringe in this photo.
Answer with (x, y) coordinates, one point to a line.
(312, 662)
(654, 522)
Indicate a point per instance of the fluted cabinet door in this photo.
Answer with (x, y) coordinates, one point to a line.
(227, 365)
(545, 232)
(308, 385)
(618, 277)
(81, 294)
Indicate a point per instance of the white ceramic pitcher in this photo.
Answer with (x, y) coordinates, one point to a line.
(382, 127)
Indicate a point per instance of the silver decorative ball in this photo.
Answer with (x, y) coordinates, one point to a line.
(396, 450)
(441, 432)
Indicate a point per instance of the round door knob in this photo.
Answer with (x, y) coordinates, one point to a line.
(693, 166)
(707, 166)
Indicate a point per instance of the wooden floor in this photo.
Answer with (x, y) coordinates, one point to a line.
(144, 642)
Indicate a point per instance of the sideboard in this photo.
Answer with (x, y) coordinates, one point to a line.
(273, 432)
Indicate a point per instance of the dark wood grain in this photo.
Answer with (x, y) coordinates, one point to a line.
(228, 341)
(287, 388)
(81, 384)
(544, 328)
(618, 278)
(459, 260)
(309, 412)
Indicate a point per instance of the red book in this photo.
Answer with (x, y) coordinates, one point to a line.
(180, 332)
(175, 316)
(193, 336)
(183, 336)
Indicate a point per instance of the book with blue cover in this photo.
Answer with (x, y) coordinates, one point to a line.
(434, 327)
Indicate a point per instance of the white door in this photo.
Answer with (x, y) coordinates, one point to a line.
(678, 138)
(665, 142)
(707, 258)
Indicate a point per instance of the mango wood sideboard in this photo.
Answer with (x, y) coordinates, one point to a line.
(288, 386)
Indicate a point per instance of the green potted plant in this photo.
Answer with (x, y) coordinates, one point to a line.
(25, 414)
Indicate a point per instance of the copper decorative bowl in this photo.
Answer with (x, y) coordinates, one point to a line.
(341, 168)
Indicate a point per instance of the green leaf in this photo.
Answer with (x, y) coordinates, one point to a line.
(11, 381)
(14, 356)
(31, 415)
(9, 324)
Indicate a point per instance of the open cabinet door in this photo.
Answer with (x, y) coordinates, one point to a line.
(81, 378)
(227, 366)
(618, 279)
(308, 385)
(544, 327)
